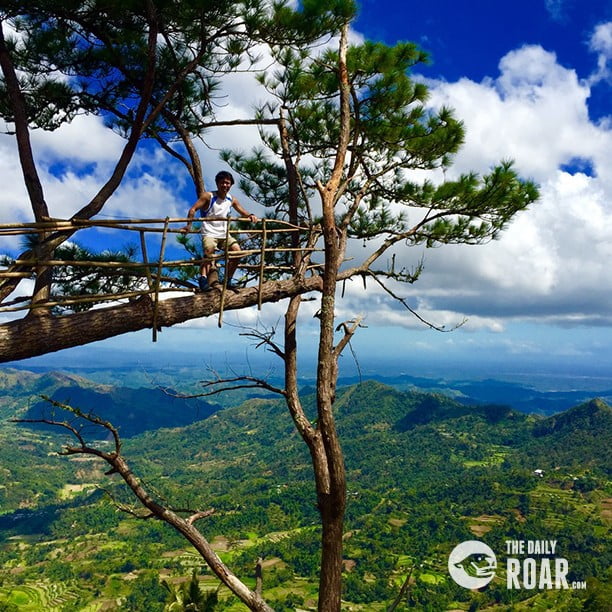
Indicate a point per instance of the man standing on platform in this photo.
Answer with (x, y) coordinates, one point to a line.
(214, 205)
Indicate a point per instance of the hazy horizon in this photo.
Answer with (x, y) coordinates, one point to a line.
(542, 375)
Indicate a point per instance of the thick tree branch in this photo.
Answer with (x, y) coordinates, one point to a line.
(22, 133)
(25, 338)
(294, 404)
(184, 526)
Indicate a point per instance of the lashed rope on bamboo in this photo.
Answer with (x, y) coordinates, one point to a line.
(152, 270)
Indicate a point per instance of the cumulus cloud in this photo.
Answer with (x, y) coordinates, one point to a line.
(601, 43)
(551, 263)
(535, 112)
(73, 162)
(14, 204)
(555, 254)
(84, 140)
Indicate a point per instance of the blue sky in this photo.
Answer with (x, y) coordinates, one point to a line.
(532, 80)
(468, 38)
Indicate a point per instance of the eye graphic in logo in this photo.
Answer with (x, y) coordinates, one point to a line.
(472, 564)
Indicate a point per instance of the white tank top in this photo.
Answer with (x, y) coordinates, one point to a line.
(217, 208)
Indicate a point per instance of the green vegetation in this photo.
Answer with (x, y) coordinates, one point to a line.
(424, 473)
(132, 410)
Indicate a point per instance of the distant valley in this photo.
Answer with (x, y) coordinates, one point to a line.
(425, 472)
(518, 395)
(132, 409)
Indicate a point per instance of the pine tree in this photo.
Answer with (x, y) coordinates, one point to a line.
(345, 141)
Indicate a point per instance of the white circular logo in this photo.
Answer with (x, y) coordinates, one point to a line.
(472, 564)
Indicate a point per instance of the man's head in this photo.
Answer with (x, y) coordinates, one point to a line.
(224, 175)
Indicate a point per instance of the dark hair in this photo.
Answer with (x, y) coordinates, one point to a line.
(224, 174)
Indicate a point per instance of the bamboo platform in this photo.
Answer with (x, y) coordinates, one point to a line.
(149, 267)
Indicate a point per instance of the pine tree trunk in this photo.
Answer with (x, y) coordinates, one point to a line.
(332, 518)
(29, 337)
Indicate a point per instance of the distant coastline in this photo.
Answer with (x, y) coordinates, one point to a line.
(538, 392)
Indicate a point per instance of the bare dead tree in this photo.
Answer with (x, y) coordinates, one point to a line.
(155, 507)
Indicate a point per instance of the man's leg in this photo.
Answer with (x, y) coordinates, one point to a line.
(233, 260)
(208, 271)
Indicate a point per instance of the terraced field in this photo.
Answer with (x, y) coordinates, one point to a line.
(44, 595)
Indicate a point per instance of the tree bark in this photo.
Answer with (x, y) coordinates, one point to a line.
(32, 336)
(259, 576)
(332, 497)
(22, 133)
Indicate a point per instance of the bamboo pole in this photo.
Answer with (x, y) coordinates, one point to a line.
(108, 264)
(224, 289)
(158, 282)
(262, 263)
(63, 224)
(103, 297)
(15, 274)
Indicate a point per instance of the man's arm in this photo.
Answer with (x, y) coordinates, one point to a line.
(242, 211)
(202, 202)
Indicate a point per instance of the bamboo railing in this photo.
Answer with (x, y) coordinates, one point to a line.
(151, 267)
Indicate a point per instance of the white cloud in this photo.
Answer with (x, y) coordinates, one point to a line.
(535, 112)
(145, 197)
(601, 43)
(14, 203)
(24, 289)
(73, 162)
(551, 264)
(601, 40)
(556, 253)
(85, 140)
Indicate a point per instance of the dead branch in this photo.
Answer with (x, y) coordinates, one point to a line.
(264, 338)
(155, 509)
(214, 387)
(196, 516)
(440, 328)
(404, 590)
(349, 328)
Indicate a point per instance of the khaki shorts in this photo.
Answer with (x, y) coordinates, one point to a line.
(211, 244)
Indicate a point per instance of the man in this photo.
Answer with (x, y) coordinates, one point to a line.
(214, 233)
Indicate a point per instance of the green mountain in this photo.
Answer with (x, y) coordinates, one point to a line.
(594, 416)
(570, 438)
(132, 410)
(534, 395)
(424, 473)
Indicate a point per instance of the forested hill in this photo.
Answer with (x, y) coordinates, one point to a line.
(552, 396)
(388, 436)
(132, 410)
(424, 473)
(367, 410)
(594, 416)
(571, 437)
